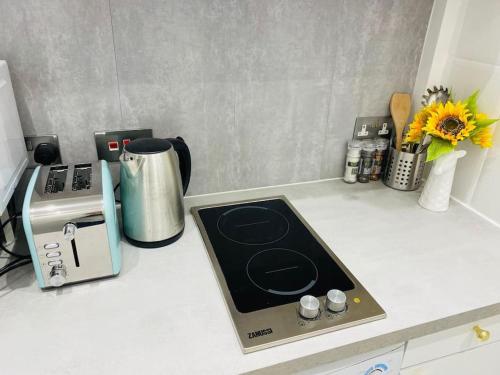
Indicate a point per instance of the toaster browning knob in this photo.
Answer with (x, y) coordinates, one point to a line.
(309, 307)
(335, 300)
(69, 231)
(57, 275)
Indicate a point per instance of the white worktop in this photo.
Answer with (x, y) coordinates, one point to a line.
(164, 314)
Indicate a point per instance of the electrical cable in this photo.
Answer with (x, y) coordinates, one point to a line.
(21, 256)
(114, 190)
(21, 260)
(13, 265)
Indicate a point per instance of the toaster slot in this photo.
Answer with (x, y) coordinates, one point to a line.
(82, 177)
(75, 253)
(56, 179)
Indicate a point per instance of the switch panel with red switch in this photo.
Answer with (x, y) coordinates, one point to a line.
(113, 146)
(109, 144)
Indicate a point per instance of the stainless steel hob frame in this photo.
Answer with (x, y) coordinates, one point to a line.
(282, 324)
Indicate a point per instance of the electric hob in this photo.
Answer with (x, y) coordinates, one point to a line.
(280, 281)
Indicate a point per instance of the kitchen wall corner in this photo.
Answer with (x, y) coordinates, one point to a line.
(263, 92)
(465, 56)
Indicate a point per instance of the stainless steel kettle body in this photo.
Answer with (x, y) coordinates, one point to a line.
(154, 177)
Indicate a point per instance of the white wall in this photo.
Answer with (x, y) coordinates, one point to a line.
(462, 52)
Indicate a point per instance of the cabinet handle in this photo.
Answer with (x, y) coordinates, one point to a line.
(481, 334)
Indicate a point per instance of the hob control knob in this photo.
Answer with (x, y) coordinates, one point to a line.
(57, 275)
(335, 300)
(309, 307)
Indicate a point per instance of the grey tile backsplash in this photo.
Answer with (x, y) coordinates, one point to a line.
(264, 91)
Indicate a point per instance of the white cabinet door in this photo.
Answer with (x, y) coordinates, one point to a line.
(483, 360)
(450, 341)
(385, 361)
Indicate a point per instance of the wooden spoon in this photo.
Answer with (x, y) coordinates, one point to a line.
(400, 111)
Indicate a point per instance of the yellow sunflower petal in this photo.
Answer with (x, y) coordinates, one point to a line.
(415, 132)
(481, 116)
(483, 138)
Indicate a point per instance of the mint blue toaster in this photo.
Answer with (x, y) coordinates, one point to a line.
(71, 226)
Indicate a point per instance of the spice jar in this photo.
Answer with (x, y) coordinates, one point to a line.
(352, 161)
(366, 162)
(381, 145)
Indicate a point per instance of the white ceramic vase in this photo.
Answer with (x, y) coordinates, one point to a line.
(436, 194)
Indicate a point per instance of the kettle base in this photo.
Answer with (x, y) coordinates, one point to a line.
(154, 244)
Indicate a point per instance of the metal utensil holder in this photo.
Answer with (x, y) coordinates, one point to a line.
(404, 170)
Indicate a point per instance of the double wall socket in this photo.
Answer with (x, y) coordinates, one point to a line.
(109, 144)
(45, 147)
(373, 127)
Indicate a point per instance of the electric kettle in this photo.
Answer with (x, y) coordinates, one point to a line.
(154, 176)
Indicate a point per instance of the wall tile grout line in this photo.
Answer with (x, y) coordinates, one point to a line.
(116, 63)
(327, 125)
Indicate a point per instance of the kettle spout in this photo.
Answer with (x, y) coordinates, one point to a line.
(130, 165)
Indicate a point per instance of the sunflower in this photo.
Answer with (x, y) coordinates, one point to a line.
(481, 116)
(483, 137)
(451, 122)
(415, 132)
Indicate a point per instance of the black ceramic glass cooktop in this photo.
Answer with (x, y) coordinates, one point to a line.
(268, 256)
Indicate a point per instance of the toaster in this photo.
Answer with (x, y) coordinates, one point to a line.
(71, 226)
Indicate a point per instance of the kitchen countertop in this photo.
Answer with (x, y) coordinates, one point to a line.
(165, 314)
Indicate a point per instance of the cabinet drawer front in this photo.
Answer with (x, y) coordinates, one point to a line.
(452, 341)
(385, 361)
(483, 360)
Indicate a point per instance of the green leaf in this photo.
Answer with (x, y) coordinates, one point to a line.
(437, 148)
(471, 102)
(486, 122)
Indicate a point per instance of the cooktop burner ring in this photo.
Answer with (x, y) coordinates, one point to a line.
(266, 225)
(298, 268)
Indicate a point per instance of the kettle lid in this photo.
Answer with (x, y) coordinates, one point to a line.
(148, 146)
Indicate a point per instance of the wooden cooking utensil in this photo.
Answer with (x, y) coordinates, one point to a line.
(400, 111)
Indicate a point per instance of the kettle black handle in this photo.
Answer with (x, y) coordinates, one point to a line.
(184, 160)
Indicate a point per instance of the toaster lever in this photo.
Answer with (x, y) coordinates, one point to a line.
(69, 231)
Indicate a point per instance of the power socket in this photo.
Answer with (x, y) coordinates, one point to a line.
(45, 147)
(373, 127)
(109, 144)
